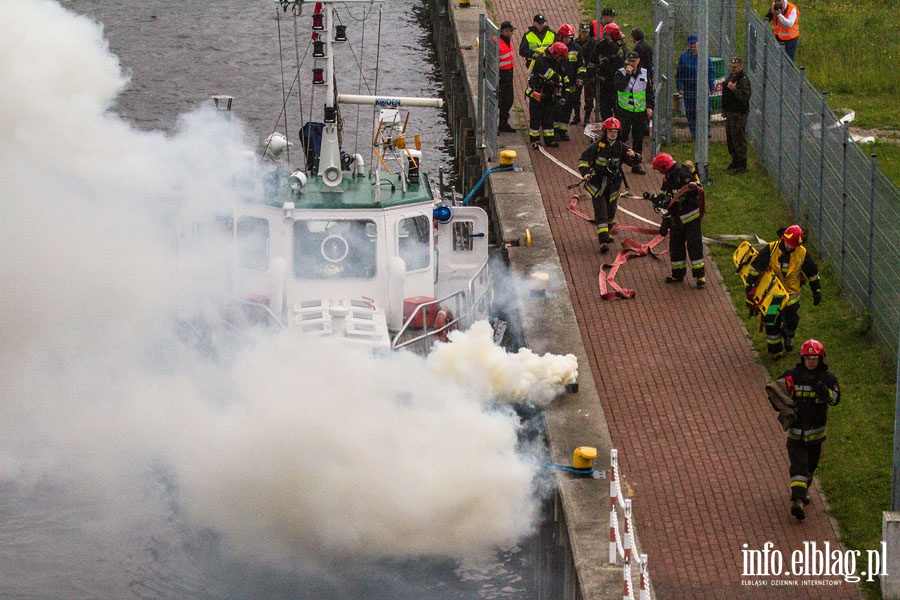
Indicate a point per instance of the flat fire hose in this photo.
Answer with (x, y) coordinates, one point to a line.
(609, 289)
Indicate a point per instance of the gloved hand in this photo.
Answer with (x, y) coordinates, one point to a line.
(822, 391)
(750, 290)
(817, 297)
(664, 227)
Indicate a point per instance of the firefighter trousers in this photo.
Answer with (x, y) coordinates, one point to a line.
(686, 241)
(804, 457)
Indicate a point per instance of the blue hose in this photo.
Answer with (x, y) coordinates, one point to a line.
(568, 469)
(481, 181)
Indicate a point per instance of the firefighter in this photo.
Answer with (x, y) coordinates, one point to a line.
(545, 88)
(793, 266)
(607, 56)
(575, 72)
(601, 166)
(682, 217)
(813, 388)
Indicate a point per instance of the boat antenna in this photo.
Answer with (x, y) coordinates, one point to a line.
(377, 69)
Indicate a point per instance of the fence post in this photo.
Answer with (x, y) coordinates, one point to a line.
(873, 189)
(799, 206)
(823, 128)
(895, 479)
(779, 178)
(846, 130)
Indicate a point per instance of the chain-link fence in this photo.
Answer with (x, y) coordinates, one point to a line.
(677, 69)
(835, 191)
(487, 120)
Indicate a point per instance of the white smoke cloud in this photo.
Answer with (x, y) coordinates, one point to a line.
(286, 447)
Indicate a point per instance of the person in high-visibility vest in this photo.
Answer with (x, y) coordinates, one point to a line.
(635, 103)
(537, 40)
(813, 388)
(785, 18)
(505, 92)
(793, 266)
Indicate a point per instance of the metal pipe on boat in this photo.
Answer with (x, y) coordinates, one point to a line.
(389, 101)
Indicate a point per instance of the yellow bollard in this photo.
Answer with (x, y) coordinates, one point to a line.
(507, 157)
(583, 457)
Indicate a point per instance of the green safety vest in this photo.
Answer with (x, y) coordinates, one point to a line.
(535, 43)
(634, 97)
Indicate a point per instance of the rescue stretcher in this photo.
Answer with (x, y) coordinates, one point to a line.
(768, 296)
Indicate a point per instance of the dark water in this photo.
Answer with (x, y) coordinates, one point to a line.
(54, 544)
(180, 53)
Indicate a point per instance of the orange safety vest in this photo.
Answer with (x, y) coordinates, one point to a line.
(785, 34)
(507, 54)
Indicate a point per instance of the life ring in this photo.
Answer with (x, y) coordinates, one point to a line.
(441, 318)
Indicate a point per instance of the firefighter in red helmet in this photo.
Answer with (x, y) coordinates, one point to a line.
(812, 388)
(793, 266)
(601, 167)
(545, 88)
(682, 214)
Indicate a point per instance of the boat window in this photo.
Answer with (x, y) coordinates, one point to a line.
(335, 249)
(414, 241)
(253, 243)
(462, 236)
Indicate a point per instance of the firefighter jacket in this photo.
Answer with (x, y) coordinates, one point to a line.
(547, 79)
(608, 56)
(635, 92)
(535, 41)
(604, 160)
(686, 207)
(575, 66)
(738, 99)
(507, 54)
(791, 268)
(813, 392)
(785, 26)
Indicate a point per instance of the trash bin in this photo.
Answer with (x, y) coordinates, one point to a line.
(715, 99)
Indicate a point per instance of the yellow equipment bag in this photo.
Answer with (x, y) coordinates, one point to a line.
(769, 294)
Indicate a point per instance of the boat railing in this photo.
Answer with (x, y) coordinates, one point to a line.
(464, 306)
(243, 322)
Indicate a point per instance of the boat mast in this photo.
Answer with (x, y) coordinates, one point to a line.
(330, 154)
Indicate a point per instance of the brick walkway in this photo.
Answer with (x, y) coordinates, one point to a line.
(702, 453)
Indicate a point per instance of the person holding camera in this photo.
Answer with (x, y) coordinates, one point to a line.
(601, 167)
(785, 20)
(635, 103)
(812, 388)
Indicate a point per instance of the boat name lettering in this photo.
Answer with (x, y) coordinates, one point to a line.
(387, 101)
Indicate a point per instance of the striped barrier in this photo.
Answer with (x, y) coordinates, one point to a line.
(621, 543)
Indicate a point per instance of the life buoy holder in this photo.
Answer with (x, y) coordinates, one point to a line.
(441, 318)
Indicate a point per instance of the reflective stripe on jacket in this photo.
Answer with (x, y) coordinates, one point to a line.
(789, 32)
(507, 54)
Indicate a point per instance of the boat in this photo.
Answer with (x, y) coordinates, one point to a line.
(339, 248)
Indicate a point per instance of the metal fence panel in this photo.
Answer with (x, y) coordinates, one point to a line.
(487, 120)
(832, 187)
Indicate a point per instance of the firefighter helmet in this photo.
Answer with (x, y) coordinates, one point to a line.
(813, 348)
(662, 162)
(612, 123)
(613, 30)
(566, 29)
(558, 50)
(793, 236)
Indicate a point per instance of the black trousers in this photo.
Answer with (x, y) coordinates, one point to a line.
(804, 457)
(686, 241)
(505, 96)
(635, 124)
(540, 116)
